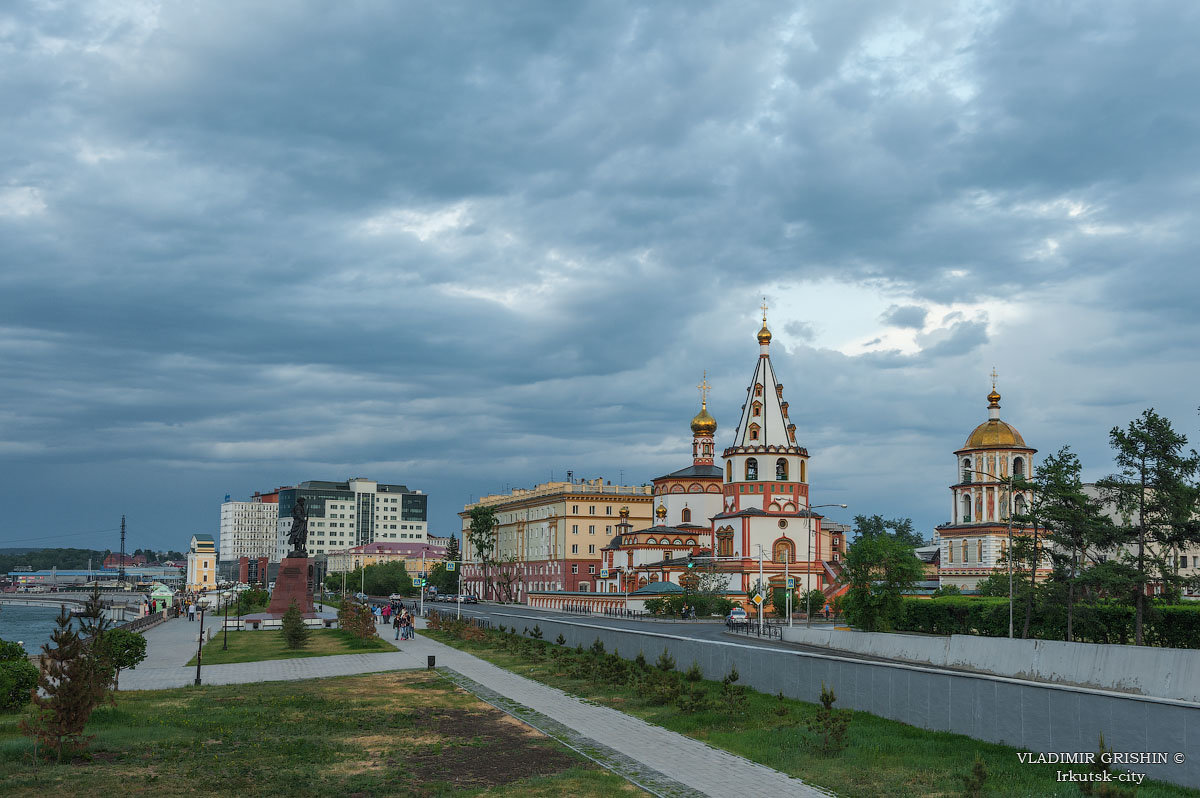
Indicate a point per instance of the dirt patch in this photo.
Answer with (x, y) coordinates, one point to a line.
(483, 749)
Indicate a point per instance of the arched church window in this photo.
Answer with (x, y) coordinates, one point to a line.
(784, 551)
(751, 469)
(754, 432)
(966, 475)
(964, 551)
(758, 390)
(803, 471)
(966, 509)
(650, 541)
(1018, 467)
(691, 542)
(757, 408)
(687, 515)
(781, 469)
(979, 550)
(729, 471)
(1019, 505)
(678, 542)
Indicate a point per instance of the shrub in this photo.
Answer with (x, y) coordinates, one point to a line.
(693, 673)
(295, 633)
(598, 648)
(733, 695)
(560, 640)
(973, 781)
(18, 676)
(357, 619)
(640, 661)
(694, 699)
(665, 662)
(124, 650)
(536, 634)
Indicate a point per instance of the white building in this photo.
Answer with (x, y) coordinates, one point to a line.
(342, 515)
(250, 528)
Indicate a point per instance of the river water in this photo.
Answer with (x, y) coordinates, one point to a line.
(31, 626)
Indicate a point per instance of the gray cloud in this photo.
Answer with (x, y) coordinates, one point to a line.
(459, 246)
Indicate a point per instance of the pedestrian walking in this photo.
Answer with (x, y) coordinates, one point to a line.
(396, 625)
(191, 612)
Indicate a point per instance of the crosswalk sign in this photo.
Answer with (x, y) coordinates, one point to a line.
(791, 582)
(604, 573)
(758, 599)
(450, 566)
(418, 582)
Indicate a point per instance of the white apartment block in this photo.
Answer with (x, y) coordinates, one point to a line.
(249, 529)
(342, 515)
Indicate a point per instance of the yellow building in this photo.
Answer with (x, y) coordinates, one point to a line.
(202, 564)
(549, 537)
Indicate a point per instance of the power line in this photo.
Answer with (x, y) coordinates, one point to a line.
(63, 535)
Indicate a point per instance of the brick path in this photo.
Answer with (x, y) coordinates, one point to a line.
(665, 756)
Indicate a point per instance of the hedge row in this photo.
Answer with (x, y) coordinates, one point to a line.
(1171, 626)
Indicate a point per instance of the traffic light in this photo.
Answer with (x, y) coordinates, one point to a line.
(691, 563)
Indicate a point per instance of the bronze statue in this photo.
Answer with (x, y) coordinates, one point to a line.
(298, 535)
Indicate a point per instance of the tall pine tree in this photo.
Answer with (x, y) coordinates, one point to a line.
(68, 693)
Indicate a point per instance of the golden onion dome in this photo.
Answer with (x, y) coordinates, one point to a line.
(995, 434)
(993, 398)
(703, 423)
(661, 512)
(764, 335)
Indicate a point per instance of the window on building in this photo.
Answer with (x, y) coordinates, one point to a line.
(966, 509)
(781, 469)
(592, 509)
(592, 549)
(757, 408)
(758, 390)
(591, 569)
(950, 549)
(1018, 467)
(574, 509)
(574, 569)
(754, 432)
(687, 515)
(574, 548)
(751, 469)
(1019, 505)
(591, 529)
(729, 471)
(608, 510)
(964, 551)
(979, 550)
(574, 529)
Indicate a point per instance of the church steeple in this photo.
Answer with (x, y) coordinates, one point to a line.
(764, 420)
(704, 426)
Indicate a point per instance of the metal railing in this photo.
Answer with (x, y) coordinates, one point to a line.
(578, 609)
(621, 612)
(750, 628)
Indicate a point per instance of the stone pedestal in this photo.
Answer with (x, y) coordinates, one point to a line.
(294, 583)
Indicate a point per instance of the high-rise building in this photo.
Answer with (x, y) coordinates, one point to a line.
(342, 515)
(249, 528)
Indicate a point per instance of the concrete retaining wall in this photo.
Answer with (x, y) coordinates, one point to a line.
(1040, 717)
(1160, 672)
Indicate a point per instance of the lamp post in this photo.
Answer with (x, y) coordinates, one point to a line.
(200, 644)
(225, 643)
(808, 565)
(761, 599)
(1011, 508)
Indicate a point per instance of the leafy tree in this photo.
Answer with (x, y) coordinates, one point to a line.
(878, 570)
(779, 601)
(68, 693)
(481, 534)
(380, 579)
(44, 559)
(875, 525)
(18, 676)
(1155, 494)
(813, 602)
(122, 649)
(295, 633)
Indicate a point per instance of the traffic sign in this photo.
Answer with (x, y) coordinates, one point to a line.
(791, 582)
(450, 566)
(757, 599)
(604, 573)
(418, 582)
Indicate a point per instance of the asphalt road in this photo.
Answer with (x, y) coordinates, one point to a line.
(519, 614)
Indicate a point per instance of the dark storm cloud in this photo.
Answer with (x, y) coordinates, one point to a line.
(461, 246)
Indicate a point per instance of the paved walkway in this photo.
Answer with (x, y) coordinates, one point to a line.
(692, 764)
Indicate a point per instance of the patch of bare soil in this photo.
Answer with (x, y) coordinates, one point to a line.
(483, 748)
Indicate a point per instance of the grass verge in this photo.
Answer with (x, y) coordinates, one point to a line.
(269, 644)
(882, 757)
(397, 733)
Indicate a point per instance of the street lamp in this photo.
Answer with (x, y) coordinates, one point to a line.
(808, 566)
(1011, 509)
(225, 643)
(200, 644)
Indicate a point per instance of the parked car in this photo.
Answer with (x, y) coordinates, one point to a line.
(396, 597)
(469, 599)
(361, 596)
(737, 617)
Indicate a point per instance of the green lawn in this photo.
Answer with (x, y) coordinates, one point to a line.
(396, 733)
(883, 758)
(269, 644)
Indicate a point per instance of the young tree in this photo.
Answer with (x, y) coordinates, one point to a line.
(1028, 551)
(878, 570)
(295, 633)
(481, 534)
(454, 555)
(123, 649)
(93, 625)
(18, 676)
(1155, 493)
(68, 693)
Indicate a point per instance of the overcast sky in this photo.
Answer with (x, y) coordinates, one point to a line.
(468, 246)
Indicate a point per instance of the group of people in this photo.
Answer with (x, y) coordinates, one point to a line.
(402, 621)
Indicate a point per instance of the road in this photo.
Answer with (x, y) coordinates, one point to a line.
(519, 614)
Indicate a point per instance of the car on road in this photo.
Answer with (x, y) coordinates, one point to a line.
(469, 599)
(361, 596)
(737, 617)
(396, 597)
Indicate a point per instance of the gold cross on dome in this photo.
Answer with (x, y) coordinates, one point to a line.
(704, 388)
(994, 376)
(764, 310)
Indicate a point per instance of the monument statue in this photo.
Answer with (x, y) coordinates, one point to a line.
(298, 535)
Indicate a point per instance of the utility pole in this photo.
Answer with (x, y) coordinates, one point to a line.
(121, 567)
